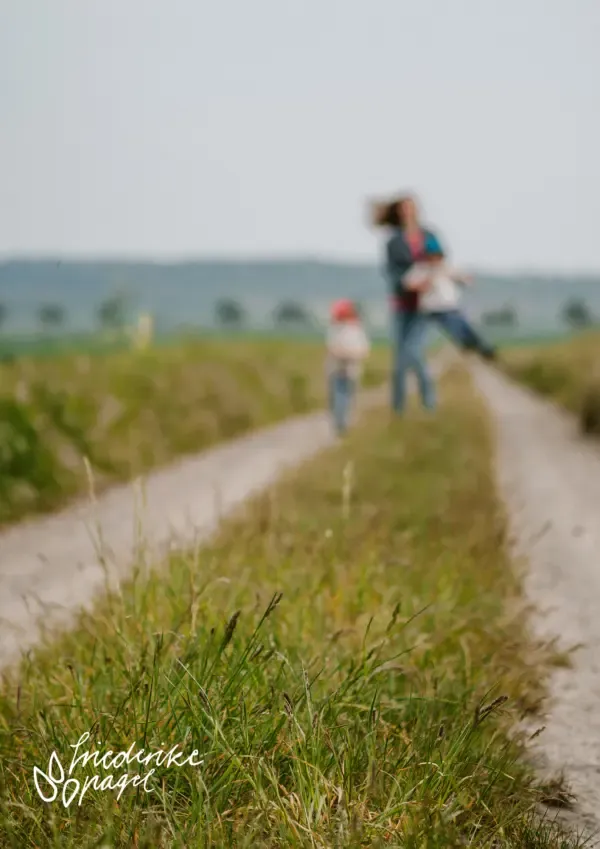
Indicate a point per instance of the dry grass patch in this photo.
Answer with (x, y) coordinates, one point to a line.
(130, 412)
(568, 372)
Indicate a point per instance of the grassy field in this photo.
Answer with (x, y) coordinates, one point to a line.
(41, 346)
(129, 412)
(568, 372)
(345, 657)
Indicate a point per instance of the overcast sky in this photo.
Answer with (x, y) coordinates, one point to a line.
(220, 127)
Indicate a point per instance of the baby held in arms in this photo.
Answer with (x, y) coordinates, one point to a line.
(438, 283)
(439, 287)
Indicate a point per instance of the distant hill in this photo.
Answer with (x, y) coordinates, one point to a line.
(185, 293)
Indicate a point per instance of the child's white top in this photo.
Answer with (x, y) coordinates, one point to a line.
(443, 294)
(347, 347)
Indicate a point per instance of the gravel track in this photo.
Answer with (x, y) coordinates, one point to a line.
(52, 566)
(549, 478)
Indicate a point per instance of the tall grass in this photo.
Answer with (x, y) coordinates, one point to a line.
(568, 372)
(344, 657)
(129, 412)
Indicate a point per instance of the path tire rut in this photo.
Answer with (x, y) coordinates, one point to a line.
(549, 478)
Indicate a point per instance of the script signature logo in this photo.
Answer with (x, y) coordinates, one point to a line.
(57, 782)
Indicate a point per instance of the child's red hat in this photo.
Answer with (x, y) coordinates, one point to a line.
(343, 310)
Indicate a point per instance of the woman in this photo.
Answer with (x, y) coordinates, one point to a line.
(408, 244)
(405, 246)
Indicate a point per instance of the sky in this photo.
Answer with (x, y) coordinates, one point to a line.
(193, 128)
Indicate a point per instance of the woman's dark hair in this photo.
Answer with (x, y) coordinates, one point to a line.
(390, 214)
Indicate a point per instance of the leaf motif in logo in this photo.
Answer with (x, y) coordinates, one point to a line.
(49, 778)
(67, 800)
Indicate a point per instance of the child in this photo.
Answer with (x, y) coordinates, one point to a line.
(440, 298)
(347, 348)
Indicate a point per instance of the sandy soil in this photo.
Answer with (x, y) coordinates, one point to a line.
(550, 481)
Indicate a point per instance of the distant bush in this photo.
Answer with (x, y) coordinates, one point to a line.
(577, 314)
(290, 313)
(112, 313)
(51, 316)
(504, 317)
(230, 313)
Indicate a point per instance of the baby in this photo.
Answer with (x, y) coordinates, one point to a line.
(347, 348)
(439, 295)
(436, 282)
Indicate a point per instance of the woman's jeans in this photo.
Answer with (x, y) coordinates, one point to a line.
(458, 328)
(342, 389)
(410, 330)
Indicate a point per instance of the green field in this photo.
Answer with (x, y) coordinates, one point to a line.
(128, 412)
(346, 657)
(41, 346)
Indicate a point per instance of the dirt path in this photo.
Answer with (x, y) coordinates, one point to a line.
(550, 481)
(52, 566)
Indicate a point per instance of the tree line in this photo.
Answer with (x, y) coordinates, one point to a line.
(111, 314)
(230, 313)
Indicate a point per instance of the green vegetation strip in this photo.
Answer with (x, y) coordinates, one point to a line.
(129, 412)
(567, 372)
(345, 658)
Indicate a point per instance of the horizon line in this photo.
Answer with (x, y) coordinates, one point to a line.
(257, 259)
